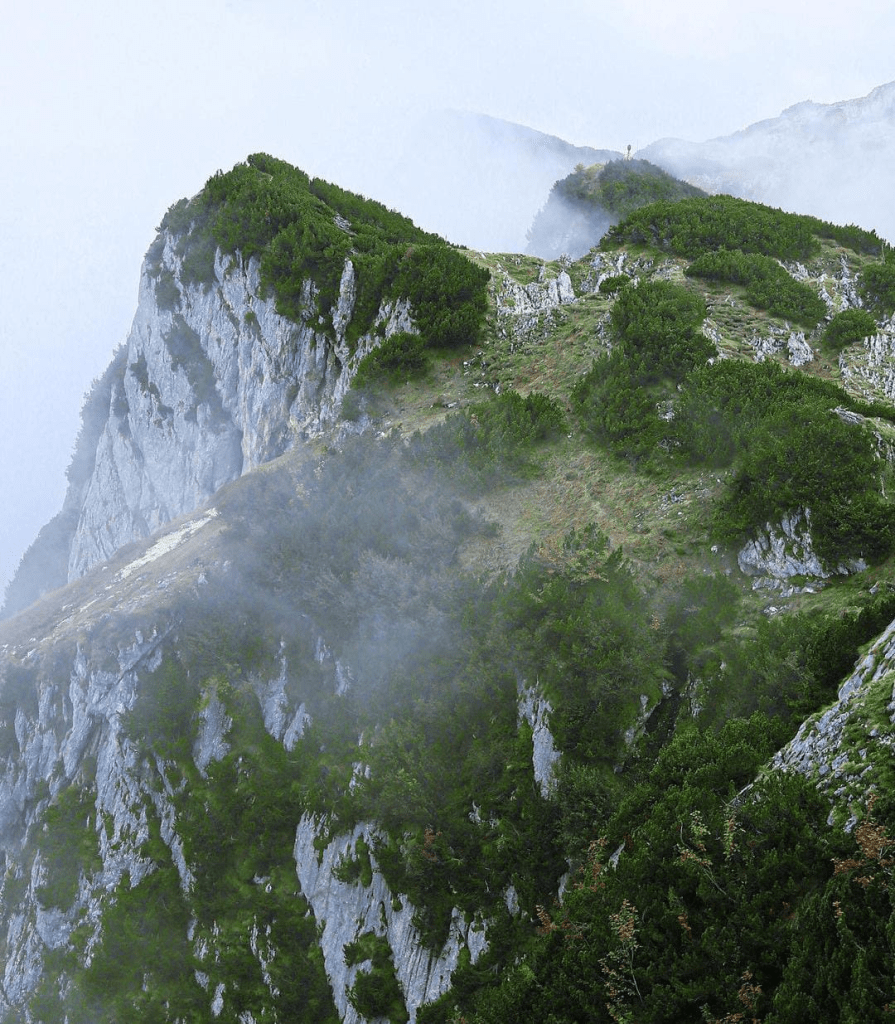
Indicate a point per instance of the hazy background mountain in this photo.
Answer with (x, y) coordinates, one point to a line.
(479, 180)
(833, 160)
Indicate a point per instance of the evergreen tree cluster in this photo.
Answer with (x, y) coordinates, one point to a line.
(304, 229)
(788, 451)
(768, 285)
(623, 186)
(692, 226)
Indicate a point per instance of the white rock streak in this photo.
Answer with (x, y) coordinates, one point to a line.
(348, 910)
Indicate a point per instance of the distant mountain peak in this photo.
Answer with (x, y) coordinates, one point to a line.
(833, 160)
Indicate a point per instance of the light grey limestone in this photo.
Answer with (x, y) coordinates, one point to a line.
(215, 382)
(778, 554)
(347, 910)
(534, 708)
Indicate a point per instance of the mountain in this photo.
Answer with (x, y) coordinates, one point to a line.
(443, 635)
(832, 160)
(583, 206)
(475, 179)
(213, 379)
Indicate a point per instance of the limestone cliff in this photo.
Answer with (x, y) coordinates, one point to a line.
(215, 383)
(67, 709)
(211, 382)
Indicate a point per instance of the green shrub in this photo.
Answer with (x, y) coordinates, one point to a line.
(615, 408)
(69, 845)
(798, 458)
(768, 285)
(658, 327)
(164, 714)
(849, 326)
(303, 230)
(490, 440)
(395, 361)
(610, 285)
(446, 292)
(876, 286)
(720, 406)
(167, 295)
(850, 235)
(661, 324)
(789, 452)
(689, 227)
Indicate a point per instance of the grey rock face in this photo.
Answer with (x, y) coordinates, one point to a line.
(526, 313)
(784, 554)
(534, 709)
(775, 556)
(348, 910)
(214, 382)
(73, 726)
(869, 368)
(840, 746)
(792, 343)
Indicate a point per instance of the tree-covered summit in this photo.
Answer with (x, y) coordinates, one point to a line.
(623, 186)
(304, 229)
(584, 204)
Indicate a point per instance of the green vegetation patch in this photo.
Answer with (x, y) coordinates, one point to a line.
(876, 285)
(304, 229)
(789, 452)
(489, 442)
(376, 992)
(691, 226)
(622, 186)
(658, 326)
(396, 360)
(768, 285)
(702, 915)
(69, 845)
(848, 327)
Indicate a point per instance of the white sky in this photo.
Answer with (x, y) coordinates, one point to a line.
(110, 110)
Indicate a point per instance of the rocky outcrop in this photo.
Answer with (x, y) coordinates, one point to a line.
(211, 382)
(868, 369)
(348, 910)
(774, 557)
(848, 746)
(214, 382)
(527, 313)
(534, 710)
(781, 341)
(548, 292)
(73, 735)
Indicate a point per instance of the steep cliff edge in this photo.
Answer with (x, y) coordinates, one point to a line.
(214, 383)
(258, 300)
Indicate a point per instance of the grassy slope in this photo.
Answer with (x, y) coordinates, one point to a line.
(658, 518)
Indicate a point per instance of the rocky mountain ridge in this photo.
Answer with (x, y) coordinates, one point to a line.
(334, 742)
(211, 383)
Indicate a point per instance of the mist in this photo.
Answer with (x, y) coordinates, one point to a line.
(830, 160)
(113, 113)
